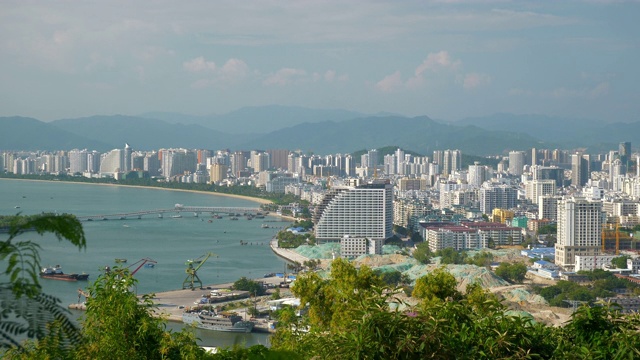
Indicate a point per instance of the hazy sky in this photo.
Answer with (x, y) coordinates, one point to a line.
(444, 59)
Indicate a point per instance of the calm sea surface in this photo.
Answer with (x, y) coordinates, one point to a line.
(169, 241)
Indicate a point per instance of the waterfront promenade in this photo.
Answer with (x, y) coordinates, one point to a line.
(286, 254)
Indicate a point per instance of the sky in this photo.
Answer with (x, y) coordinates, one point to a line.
(444, 59)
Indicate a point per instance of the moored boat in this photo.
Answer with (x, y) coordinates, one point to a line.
(209, 320)
(55, 273)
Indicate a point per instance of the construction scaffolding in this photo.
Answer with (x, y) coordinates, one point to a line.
(614, 240)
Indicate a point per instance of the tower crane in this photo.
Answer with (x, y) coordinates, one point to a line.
(192, 272)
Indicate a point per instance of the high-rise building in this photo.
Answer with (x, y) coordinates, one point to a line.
(537, 188)
(548, 207)
(217, 173)
(477, 174)
(624, 151)
(548, 173)
(579, 170)
(78, 161)
(357, 211)
(126, 160)
(516, 162)
(399, 168)
(260, 161)
(178, 162)
(279, 158)
(451, 161)
(238, 162)
(579, 230)
(497, 196)
(372, 158)
(111, 162)
(151, 163)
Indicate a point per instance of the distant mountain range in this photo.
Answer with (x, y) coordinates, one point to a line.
(317, 131)
(257, 119)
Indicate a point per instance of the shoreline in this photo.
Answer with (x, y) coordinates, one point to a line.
(243, 197)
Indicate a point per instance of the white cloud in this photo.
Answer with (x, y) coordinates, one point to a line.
(199, 64)
(436, 62)
(234, 69)
(475, 80)
(330, 75)
(285, 76)
(390, 83)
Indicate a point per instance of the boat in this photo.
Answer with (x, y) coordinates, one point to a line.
(209, 320)
(149, 265)
(233, 218)
(16, 207)
(176, 216)
(120, 260)
(55, 273)
(265, 226)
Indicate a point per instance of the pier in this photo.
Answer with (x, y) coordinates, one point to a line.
(177, 210)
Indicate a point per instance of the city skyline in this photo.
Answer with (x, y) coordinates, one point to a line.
(60, 60)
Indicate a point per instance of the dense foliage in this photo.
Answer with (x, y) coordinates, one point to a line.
(620, 262)
(25, 310)
(601, 284)
(351, 317)
(289, 240)
(253, 287)
(422, 253)
(514, 273)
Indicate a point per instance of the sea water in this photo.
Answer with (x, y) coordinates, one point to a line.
(169, 241)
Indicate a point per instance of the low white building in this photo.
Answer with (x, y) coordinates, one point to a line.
(634, 265)
(590, 263)
(351, 247)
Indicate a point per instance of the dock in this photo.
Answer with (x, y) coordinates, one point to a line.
(170, 304)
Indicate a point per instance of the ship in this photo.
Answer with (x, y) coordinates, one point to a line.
(55, 273)
(209, 320)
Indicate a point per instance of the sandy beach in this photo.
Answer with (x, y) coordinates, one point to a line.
(254, 199)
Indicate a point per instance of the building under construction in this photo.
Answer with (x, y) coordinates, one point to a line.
(614, 240)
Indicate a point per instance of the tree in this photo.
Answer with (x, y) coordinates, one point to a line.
(512, 272)
(251, 286)
(118, 325)
(451, 256)
(438, 284)
(482, 259)
(620, 262)
(422, 253)
(25, 310)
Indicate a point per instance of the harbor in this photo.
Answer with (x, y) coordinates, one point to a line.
(170, 242)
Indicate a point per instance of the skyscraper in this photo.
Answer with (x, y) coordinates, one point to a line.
(477, 174)
(516, 162)
(579, 230)
(358, 211)
(579, 170)
(624, 150)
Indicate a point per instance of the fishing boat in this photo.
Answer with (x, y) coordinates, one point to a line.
(55, 273)
(223, 321)
(120, 260)
(176, 216)
(265, 226)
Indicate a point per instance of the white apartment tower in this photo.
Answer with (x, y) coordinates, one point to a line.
(516, 162)
(477, 174)
(364, 211)
(537, 188)
(579, 228)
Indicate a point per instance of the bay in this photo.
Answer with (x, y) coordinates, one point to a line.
(169, 241)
